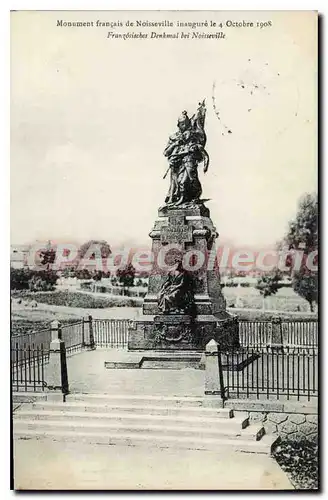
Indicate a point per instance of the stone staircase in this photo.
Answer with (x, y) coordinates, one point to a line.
(164, 422)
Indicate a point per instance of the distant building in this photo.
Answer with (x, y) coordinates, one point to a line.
(19, 256)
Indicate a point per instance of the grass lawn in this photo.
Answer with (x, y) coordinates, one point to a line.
(65, 307)
(249, 297)
(68, 306)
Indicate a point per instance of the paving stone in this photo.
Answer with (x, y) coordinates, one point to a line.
(288, 427)
(270, 427)
(283, 435)
(297, 419)
(307, 428)
(277, 418)
(312, 419)
(313, 437)
(256, 416)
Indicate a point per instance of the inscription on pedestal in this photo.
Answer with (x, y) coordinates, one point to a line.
(176, 231)
(176, 234)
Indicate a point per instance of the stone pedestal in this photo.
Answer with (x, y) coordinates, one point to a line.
(214, 385)
(277, 340)
(187, 231)
(89, 340)
(56, 369)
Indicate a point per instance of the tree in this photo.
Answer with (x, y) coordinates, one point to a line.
(126, 275)
(47, 257)
(305, 284)
(303, 235)
(303, 230)
(105, 249)
(269, 284)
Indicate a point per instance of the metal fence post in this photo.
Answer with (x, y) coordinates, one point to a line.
(222, 390)
(89, 340)
(214, 384)
(56, 370)
(83, 333)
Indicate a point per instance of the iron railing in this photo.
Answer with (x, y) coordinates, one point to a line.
(73, 336)
(111, 332)
(27, 367)
(292, 333)
(260, 368)
(37, 338)
(285, 373)
(254, 333)
(71, 333)
(114, 333)
(300, 332)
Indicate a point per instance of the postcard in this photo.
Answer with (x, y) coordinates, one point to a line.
(164, 250)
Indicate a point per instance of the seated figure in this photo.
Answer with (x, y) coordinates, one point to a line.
(176, 294)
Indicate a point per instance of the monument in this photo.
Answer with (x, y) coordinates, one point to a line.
(184, 307)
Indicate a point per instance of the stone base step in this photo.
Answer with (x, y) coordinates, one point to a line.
(141, 409)
(80, 414)
(177, 422)
(164, 360)
(89, 424)
(264, 445)
(178, 401)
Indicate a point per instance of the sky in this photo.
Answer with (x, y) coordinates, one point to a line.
(90, 118)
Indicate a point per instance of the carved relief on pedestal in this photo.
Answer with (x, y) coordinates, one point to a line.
(176, 334)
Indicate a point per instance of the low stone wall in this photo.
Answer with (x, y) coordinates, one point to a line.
(28, 397)
(291, 421)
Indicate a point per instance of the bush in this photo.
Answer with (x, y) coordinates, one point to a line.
(300, 461)
(126, 275)
(43, 281)
(19, 278)
(83, 300)
(36, 281)
(85, 285)
(83, 274)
